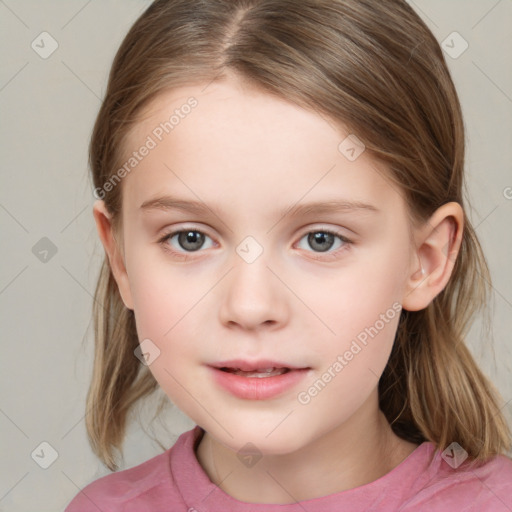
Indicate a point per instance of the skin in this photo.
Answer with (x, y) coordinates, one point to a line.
(250, 156)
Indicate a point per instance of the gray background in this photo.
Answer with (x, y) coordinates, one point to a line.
(48, 106)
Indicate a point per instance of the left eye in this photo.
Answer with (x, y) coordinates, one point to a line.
(323, 240)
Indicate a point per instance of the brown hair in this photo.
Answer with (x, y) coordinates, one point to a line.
(376, 68)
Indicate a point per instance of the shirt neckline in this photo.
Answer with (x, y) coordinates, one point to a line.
(394, 487)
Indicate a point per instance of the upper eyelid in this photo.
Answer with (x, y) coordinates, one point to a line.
(334, 230)
(175, 231)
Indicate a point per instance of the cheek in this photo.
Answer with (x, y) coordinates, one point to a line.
(353, 299)
(360, 310)
(352, 360)
(169, 306)
(161, 294)
(166, 308)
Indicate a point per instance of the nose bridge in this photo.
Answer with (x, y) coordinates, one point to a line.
(252, 295)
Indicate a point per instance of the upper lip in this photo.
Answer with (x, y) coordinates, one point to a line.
(248, 366)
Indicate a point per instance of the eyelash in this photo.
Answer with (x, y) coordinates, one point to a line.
(185, 255)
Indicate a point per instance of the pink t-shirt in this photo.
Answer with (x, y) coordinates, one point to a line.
(174, 481)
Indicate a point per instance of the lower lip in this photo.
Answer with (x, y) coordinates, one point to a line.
(258, 388)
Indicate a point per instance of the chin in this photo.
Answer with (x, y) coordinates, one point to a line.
(279, 439)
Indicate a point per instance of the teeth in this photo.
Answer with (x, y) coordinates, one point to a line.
(260, 372)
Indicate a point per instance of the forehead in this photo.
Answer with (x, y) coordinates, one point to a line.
(251, 146)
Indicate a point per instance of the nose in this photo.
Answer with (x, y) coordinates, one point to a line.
(252, 297)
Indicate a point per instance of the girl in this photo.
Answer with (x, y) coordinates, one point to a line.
(280, 199)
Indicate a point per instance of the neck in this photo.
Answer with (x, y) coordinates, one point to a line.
(355, 453)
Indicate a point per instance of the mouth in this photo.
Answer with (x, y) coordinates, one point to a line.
(258, 380)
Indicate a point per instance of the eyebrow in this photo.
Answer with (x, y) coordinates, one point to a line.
(319, 207)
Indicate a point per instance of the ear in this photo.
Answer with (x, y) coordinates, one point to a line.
(106, 233)
(437, 245)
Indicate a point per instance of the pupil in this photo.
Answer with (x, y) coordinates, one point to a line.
(191, 237)
(322, 241)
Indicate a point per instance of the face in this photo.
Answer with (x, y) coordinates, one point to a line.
(251, 274)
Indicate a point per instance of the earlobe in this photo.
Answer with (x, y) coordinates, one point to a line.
(103, 220)
(437, 246)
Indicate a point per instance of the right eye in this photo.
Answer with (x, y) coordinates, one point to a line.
(189, 240)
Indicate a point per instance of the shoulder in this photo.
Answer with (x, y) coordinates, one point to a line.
(119, 488)
(135, 489)
(484, 487)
